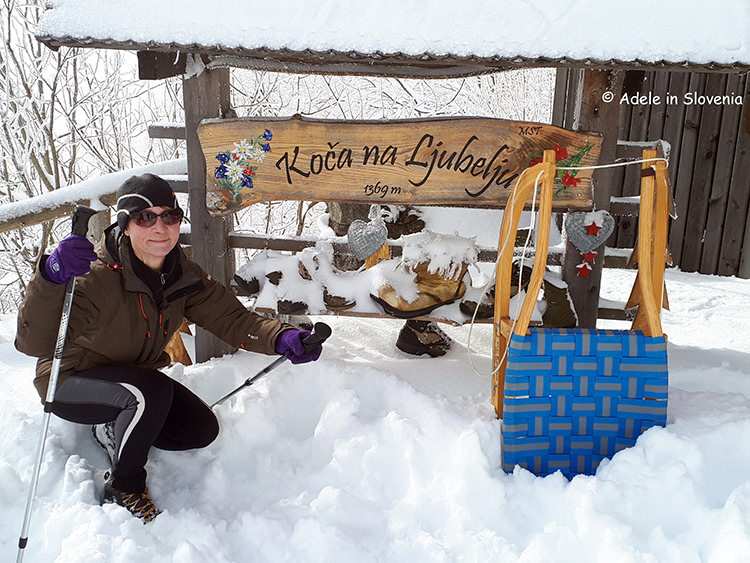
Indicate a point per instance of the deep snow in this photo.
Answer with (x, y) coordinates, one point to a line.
(373, 455)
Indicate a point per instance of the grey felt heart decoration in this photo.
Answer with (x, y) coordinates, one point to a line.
(366, 237)
(580, 231)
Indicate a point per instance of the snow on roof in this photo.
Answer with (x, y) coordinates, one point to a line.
(636, 30)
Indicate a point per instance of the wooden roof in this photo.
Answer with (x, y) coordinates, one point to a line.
(425, 65)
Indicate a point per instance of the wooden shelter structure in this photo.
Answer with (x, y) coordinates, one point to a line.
(709, 163)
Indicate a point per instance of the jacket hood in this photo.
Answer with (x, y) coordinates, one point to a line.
(110, 244)
(115, 251)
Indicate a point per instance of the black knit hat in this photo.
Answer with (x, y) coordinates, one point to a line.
(141, 192)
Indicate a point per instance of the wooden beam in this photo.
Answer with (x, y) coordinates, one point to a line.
(422, 65)
(628, 207)
(167, 131)
(633, 149)
(42, 215)
(594, 114)
(297, 244)
(155, 65)
(179, 184)
(562, 76)
(206, 95)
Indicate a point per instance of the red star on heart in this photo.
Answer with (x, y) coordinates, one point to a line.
(583, 270)
(592, 229)
(590, 256)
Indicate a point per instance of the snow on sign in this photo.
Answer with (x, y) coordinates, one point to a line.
(445, 161)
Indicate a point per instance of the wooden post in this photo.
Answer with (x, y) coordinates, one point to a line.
(98, 224)
(593, 113)
(206, 95)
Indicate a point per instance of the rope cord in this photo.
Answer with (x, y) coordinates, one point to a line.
(491, 282)
(615, 164)
(523, 254)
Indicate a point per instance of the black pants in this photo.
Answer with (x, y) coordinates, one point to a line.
(148, 408)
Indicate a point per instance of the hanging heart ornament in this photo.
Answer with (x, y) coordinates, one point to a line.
(365, 238)
(589, 230)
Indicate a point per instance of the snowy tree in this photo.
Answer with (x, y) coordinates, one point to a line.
(66, 115)
(71, 114)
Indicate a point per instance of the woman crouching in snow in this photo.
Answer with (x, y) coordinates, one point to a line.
(126, 307)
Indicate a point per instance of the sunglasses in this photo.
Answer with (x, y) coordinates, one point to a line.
(148, 218)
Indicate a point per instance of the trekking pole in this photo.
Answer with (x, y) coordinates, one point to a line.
(319, 334)
(80, 221)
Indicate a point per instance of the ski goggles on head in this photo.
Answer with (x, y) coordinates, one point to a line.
(148, 218)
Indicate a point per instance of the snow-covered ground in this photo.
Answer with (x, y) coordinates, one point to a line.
(373, 455)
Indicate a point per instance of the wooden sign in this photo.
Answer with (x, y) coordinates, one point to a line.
(443, 161)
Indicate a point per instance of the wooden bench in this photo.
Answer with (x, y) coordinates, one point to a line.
(444, 162)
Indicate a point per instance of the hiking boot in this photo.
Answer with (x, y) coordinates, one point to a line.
(423, 337)
(486, 308)
(336, 302)
(104, 435)
(333, 302)
(433, 290)
(439, 265)
(139, 505)
(250, 287)
(288, 307)
(274, 277)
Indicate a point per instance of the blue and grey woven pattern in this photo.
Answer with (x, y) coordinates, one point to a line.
(576, 396)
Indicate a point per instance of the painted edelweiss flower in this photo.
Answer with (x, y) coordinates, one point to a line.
(236, 167)
(242, 148)
(234, 170)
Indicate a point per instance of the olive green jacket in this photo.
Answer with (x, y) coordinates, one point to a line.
(115, 319)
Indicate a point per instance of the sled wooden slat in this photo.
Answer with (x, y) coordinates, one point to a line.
(508, 229)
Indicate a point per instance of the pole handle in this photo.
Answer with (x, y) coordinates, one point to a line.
(80, 220)
(319, 334)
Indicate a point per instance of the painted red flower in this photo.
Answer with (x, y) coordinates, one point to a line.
(249, 171)
(536, 161)
(570, 181)
(561, 153)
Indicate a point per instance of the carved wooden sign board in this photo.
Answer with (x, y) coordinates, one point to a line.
(442, 161)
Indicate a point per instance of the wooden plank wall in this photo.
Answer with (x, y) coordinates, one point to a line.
(709, 164)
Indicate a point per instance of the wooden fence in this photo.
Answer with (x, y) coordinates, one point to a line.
(705, 117)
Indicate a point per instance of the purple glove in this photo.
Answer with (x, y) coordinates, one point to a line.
(289, 344)
(72, 257)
